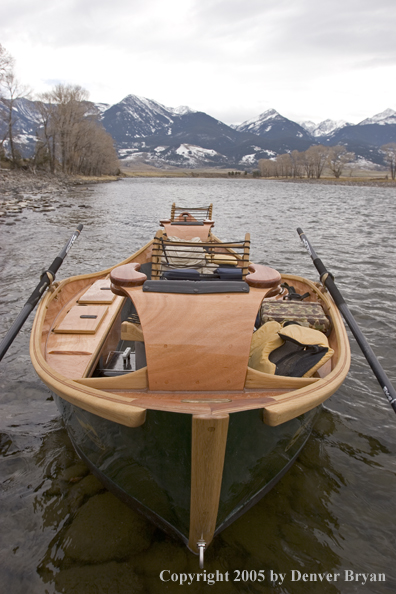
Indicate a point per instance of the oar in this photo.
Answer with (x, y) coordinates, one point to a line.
(45, 280)
(327, 279)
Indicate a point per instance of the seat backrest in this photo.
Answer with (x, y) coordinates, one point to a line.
(196, 213)
(205, 256)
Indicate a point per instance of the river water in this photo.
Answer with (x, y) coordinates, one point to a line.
(332, 513)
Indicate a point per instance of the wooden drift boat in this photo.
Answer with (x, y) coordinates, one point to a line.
(172, 377)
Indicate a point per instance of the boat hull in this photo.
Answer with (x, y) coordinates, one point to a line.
(149, 467)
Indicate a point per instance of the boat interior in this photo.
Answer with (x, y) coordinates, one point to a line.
(180, 322)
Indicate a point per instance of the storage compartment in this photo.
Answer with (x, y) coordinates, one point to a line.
(98, 293)
(82, 319)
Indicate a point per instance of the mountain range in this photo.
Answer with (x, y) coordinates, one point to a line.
(145, 130)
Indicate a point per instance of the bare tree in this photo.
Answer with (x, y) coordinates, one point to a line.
(307, 163)
(297, 165)
(267, 168)
(71, 135)
(338, 158)
(284, 165)
(317, 156)
(6, 63)
(6, 66)
(390, 157)
(46, 134)
(12, 91)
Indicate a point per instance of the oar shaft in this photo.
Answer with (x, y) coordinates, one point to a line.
(328, 280)
(13, 331)
(46, 279)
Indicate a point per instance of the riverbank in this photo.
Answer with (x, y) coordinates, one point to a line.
(40, 191)
(379, 182)
(361, 177)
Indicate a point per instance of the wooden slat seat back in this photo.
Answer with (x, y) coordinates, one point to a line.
(202, 255)
(195, 213)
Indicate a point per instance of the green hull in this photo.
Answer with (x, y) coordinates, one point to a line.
(149, 467)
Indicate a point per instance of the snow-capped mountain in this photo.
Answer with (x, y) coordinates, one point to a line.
(261, 124)
(325, 128)
(137, 117)
(144, 129)
(271, 124)
(383, 119)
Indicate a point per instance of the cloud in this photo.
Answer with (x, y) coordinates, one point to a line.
(231, 57)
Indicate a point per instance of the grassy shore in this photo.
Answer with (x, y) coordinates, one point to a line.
(361, 177)
(16, 178)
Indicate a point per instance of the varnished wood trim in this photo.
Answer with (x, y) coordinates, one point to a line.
(156, 257)
(97, 402)
(130, 331)
(136, 380)
(246, 255)
(262, 276)
(209, 439)
(127, 275)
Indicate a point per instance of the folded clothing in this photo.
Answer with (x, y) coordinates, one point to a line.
(291, 350)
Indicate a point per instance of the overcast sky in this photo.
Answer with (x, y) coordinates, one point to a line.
(233, 59)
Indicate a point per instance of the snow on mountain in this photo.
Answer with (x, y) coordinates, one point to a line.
(325, 128)
(184, 155)
(137, 117)
(181, 110)
(385, 117)
(197, 155)
(308, 125)
(26, 110)
(257, 124)
(145, 130)
(101, 107)
(276, 133)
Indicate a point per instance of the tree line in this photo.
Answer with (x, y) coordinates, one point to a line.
(314, 161)
(69, 135)
(310, 163)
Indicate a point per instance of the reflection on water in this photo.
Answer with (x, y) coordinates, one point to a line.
(333, 511)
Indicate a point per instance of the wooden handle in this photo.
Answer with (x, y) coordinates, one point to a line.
(262, 277)
(127, 275)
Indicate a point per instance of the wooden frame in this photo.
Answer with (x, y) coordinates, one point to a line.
(170, 254)
(198, 213)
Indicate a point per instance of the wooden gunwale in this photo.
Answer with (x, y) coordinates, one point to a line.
(278, 404)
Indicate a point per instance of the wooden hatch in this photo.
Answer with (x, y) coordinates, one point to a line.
(82, 319)
(98, 293)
